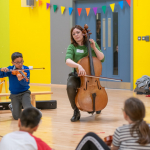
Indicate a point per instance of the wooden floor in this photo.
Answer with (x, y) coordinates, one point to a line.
(56, 128)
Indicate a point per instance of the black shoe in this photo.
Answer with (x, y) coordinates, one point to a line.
(76, 115)
(92, 112)
(98, 112)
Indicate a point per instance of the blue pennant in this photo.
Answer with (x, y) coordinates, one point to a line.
(70, 10)
(121, 4)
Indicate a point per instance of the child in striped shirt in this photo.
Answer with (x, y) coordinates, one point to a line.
(133, 136)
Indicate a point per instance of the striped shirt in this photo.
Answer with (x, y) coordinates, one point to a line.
(122, 138)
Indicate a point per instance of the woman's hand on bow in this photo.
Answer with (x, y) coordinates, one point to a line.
(81, 71)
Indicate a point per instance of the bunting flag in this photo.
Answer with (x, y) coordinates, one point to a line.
(112, 6)
(104, 9)
(87, 11)
(95, 10)
(40, 2)
(47, 5)
(79, 11)
(55, 7)
(70, 10)
(129, 2)
(121, 4)
(62, 9)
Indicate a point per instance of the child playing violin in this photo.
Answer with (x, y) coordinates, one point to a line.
(18, 85)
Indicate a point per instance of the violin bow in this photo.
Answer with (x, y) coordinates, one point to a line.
(20, 70)
(104, 78)
(26, 69)
(112, 79)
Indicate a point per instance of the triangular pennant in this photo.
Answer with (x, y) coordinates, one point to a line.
(129, 2)
(95, 10)
(104, 9)
(112, 6)
(121, 4)
(40, 2)
(87, 11)
(79, 10)
(62, 9)
(54, 7)
(70, 10)
(47, 5)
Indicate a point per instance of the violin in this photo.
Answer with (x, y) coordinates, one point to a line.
(23, 73)
(91, 96)
(108, 140)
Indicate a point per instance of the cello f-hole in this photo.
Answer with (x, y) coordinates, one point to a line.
(86, 86)
(98, 85)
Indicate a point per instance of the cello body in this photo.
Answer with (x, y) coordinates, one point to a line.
(91, 96)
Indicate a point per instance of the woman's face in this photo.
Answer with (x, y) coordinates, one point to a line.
(77, 35)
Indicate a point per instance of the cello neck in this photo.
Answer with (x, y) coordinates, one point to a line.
(90, 55)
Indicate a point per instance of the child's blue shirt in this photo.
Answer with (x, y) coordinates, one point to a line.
(16, 86)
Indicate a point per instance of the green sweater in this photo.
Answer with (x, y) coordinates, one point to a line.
(76, 53)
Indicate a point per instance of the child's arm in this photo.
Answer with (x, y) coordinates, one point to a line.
(4, 72)
(114, 147)
(23, 81)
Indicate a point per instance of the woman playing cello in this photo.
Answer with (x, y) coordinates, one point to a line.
(76, 51)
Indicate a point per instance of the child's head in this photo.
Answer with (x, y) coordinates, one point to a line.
(29, 119)
(17, 60)
(134, 109)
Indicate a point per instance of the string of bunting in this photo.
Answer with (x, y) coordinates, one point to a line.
(112, 6)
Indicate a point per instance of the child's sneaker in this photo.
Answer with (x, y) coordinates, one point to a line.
(10, 107)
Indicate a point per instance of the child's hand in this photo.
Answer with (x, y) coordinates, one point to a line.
(4, 69)
(20, 77)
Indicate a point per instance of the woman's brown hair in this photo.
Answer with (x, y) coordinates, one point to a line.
(135, 109)
(72, 39)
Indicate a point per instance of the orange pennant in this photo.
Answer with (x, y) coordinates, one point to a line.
(40, 2)
(87, 11)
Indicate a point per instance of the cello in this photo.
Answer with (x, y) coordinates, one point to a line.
(91, 96)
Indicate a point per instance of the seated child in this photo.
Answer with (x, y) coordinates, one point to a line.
(134, 135)
(24, 139)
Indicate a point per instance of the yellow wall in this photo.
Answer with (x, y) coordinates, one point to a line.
(30, 35)
(141, 49)
(4, 34)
